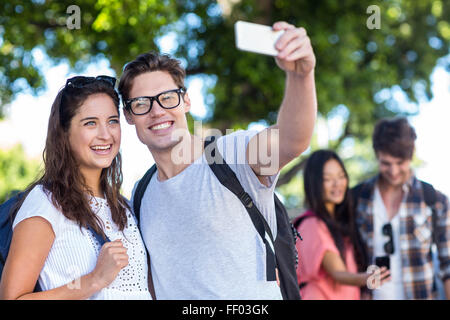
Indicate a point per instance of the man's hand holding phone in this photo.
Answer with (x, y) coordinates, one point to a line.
(377, 276)
(290, 45)
(295, 53)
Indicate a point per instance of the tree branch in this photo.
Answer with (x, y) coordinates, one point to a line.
(347, 133)
(45, 25)
(196, 70)
(286, 177)
(291, 173)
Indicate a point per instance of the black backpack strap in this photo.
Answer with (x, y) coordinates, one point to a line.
(430, 197)
(355, 192)
(228, 179)
(137, 200)
(361, 190)
(296, 223)
(98, 237)
(140, 190)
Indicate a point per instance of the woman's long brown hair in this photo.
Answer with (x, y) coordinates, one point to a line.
(62, 178)
(343, 223)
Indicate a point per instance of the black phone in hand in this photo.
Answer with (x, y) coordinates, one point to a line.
(383, 262)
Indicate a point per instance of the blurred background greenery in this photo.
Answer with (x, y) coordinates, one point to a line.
(16, 171)
(358, 69)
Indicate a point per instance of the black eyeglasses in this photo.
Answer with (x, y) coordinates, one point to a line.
(81, 81)
(168, 100)
(387, 231)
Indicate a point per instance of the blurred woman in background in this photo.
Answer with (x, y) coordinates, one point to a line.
(331, 263)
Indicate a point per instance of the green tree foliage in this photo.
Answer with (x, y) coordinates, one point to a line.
(356, 67)
(354, 63)
(16, 171)
(116, 29)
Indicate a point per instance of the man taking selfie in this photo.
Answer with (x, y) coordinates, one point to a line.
(201, 241)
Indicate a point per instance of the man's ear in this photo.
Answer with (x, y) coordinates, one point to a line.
(128, 116)
(187, 103)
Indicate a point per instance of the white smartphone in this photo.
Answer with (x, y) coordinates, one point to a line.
(256, 38)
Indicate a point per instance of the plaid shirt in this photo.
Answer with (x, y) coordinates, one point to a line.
(415, 236)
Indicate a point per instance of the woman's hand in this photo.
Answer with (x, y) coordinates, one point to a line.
(113, 257)
(377, 276)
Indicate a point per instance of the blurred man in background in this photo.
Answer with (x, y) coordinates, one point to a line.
(401, 218)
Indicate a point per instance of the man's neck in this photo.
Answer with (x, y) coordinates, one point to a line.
(386, 187)
(392, 196)
(173, 161)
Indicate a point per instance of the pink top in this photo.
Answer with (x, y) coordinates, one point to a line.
(320, 286)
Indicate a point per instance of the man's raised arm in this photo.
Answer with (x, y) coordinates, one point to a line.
(296, 118)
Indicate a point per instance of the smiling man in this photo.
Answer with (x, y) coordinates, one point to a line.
(201, 240)
(396, 220)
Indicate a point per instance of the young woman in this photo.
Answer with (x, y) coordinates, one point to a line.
(58, 222)
(330, 253)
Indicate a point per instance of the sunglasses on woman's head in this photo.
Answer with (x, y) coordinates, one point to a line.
(81, 81)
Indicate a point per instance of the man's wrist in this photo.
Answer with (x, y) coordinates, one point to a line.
(295, 76)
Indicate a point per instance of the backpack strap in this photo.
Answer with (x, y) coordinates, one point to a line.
(137, 200)
(355, 193)
(140, 190)
(228, 179)
(98, 237)
(430, 197)
(297, 221)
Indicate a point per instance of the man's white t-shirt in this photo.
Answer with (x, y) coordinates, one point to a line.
(201, 240)
(393, 289)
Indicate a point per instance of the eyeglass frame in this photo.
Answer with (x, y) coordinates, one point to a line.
(387, 231)
(180, 91)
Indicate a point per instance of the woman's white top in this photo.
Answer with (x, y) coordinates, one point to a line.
(74, 251)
